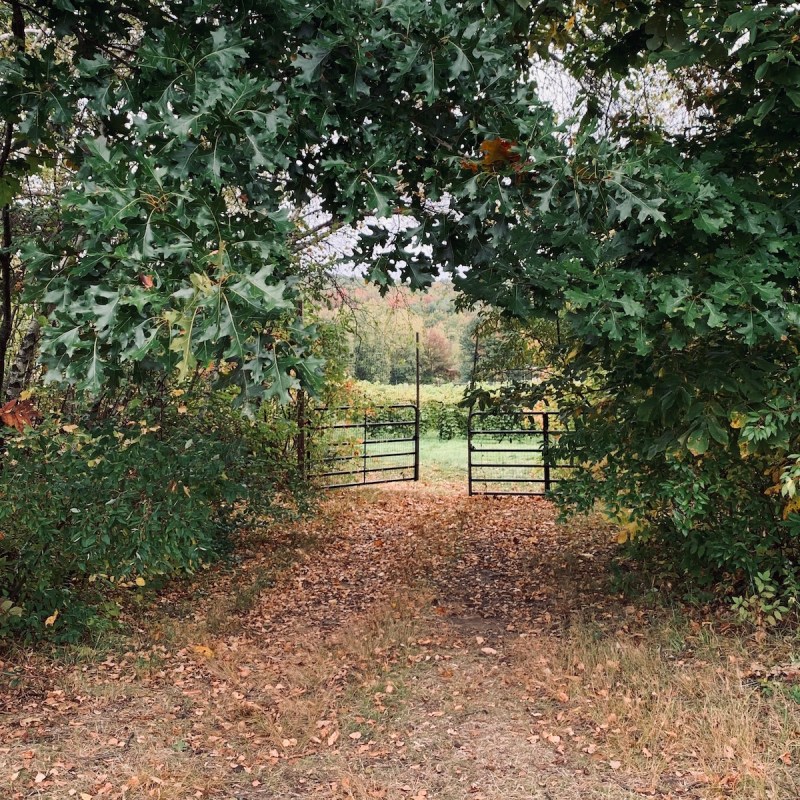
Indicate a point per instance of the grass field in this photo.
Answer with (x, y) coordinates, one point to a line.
(442, 459)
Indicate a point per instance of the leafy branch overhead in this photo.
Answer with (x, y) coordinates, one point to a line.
(668, 249)
(195, 134)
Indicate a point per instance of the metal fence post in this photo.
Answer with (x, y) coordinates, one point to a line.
(301, 441)
(416, 418)
(416, 443)
(364, 473)
(469, 452)
(546, 448)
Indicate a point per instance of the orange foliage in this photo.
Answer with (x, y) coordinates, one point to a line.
(18, 413)
(496, 153)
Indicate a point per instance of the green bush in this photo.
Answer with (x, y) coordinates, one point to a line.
(440, 410)
(88, 510)
(452, 422)
(714, 521)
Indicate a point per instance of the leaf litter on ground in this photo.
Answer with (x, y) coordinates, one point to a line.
(408, 643)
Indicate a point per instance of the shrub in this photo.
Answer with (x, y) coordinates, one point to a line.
(91, 508)
(715, 520)
(440, 410)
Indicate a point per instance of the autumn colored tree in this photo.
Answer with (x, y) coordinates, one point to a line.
(436, 356)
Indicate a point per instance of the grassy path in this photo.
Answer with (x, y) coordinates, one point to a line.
(409, 643)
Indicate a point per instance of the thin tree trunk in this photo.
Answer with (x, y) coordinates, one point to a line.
(6, 278)
(19, 374)
(6, 267)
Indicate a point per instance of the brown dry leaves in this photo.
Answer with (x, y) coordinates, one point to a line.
(19, 413)
(406, 643)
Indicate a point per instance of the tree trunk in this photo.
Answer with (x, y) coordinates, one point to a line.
(19, 374)
(6, 267)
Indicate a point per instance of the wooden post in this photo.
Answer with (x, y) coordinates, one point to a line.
(300, 439)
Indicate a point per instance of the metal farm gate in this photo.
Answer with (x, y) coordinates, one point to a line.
(509, 453)
(348, 446)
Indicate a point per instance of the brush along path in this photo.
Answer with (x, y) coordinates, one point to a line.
(408, 643)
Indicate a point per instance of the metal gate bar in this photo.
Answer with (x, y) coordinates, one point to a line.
(477, 446)
(362, 467)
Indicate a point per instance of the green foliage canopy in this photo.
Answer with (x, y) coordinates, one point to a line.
(192, 132)
(671, 253)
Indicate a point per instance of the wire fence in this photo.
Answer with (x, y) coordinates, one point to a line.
(363, 447)
(511, 453)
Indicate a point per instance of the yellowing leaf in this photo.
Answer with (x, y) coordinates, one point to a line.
(791, 507)
(140, 581)
(627, 532)
(51, 620)
(497, 152)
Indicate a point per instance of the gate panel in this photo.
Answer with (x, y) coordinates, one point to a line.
(364, 447)
(510, 453)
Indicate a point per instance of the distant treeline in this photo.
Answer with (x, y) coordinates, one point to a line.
(381, 336)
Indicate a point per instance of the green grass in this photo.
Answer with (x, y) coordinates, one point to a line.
(441, 459)
(447, 461)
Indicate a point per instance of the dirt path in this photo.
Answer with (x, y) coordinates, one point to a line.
(404, 644)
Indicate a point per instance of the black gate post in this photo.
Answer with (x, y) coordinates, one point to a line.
(416, 443)
(301, 441)
(545, 449)
(469, 451)
(416, 419)
(364, 471)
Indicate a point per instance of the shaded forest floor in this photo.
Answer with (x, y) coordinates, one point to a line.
(409, 644)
